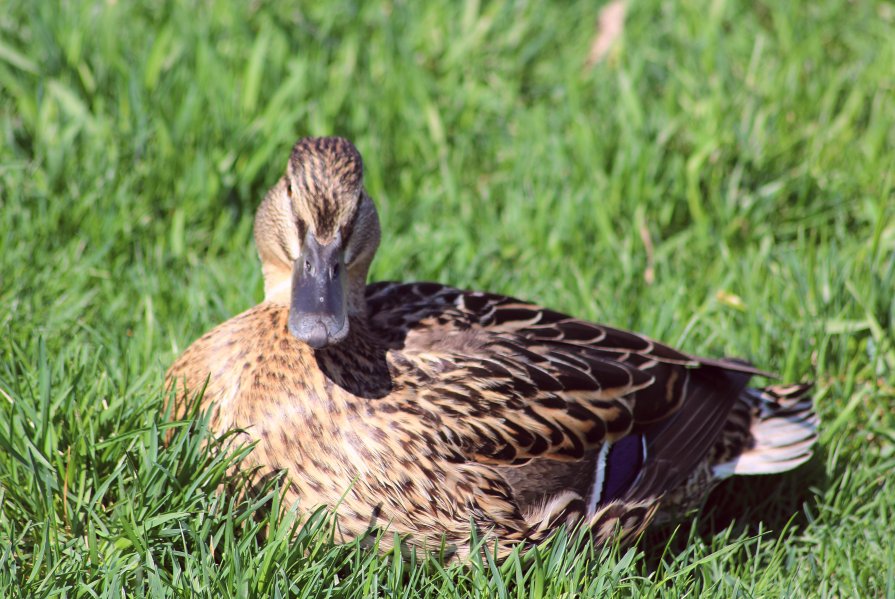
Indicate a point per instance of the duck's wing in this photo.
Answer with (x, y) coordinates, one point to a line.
(503, 381)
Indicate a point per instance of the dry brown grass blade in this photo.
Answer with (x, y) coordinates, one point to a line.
(610, 25)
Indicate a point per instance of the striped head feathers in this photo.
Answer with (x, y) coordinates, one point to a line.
(316, 232)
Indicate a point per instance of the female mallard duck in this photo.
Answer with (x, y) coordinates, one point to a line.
(424, 408)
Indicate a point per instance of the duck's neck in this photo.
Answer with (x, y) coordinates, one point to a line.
(357, 294)
(358, 364)
(359, 333)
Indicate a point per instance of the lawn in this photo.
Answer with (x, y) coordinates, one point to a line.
(723, 179)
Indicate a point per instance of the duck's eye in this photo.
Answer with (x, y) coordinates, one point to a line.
(288, 189)
(308, 267)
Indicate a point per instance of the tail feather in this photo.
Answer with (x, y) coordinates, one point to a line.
(783, 429)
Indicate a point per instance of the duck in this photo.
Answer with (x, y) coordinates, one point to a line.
(434, 412)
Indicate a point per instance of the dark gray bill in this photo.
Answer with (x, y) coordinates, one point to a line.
(318, 314)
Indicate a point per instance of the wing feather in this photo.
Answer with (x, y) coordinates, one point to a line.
(515, 381)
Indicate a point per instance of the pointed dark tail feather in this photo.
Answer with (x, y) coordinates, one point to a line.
(784, 429)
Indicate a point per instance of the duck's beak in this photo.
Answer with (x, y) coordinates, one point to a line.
(318, 313)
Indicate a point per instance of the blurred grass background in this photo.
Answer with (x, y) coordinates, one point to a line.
(722, 180)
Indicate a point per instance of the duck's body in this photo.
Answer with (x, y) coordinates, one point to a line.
(426, 408)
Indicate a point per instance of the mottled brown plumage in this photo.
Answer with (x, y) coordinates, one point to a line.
(440, 407)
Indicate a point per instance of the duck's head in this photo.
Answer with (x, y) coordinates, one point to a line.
(316, 232)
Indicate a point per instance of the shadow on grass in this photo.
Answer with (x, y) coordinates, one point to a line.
(748, 505)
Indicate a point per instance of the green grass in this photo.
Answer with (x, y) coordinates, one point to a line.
(752, 142)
